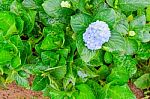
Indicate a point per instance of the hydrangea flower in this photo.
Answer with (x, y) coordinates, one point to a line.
(96, 35)
(65, 4)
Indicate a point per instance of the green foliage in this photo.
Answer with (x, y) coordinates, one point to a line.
(143, 82)
(121, 92)
(44, 38)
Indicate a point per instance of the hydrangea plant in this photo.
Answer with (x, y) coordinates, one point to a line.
(76, 49)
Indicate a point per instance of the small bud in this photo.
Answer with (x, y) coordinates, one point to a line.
(130, 18)
(131, 33)
(65, 4)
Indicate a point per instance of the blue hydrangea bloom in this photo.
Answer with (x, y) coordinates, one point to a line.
(96, 35)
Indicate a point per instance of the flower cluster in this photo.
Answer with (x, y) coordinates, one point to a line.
(96, 34)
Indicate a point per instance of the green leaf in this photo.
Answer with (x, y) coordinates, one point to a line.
(143, 52)
(52, 7)
(121, 92)
(27, 15)
(132, 5)
(119, 75)
(138, 22)
(108, 57)
(96, 88)
(110, 2)
(29, 20)
(143, 82)
(126, 62)
(131, 46)
(53, 93)
(122, 27)
(50, 58)
(5, 57)
(116, 42)
(7, 23)
(15, 62)
(11, 77)
(143, 34)
(23, 73)
(16, 40)
(97, 60)
(29, 4)
(107, 15)
(83, 90)
(148, 13)
(80, 22)
(103, 72)
(22, 81)
(19, 25)
(39, 83)
(54, 37)
(59, 72)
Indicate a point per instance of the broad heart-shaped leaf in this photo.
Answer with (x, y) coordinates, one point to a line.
(53, 93)
(39, 83)
(116, 42)
(119, 75)
(54, 37)
(29, 4)
(85, 92)
(143, 82)
(79, 24)
(5, 57)
(29, 19)
(122, 27)
(50, 58)
(27, 15)
(16, 40)
(127, 62)
(96, 88)
(143, 33)
(15, 62)
(7, 23)
(138, 22)
(52, 7)
(19, 24)
(107, 15)
(58, 72)
(124, 68)
(7, 51)
(117, 92)
(143, 52)
(132, 5)
(131, 46)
